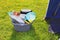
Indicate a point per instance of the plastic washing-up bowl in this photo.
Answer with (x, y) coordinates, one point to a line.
(21, 26)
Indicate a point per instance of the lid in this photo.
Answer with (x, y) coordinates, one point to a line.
(24, 11)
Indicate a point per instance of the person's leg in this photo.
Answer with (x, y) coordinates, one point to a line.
(52, 7)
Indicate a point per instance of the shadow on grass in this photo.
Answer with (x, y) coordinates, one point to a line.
(29, 35)
(57, 34)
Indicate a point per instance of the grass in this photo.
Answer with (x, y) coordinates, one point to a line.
(39, 30)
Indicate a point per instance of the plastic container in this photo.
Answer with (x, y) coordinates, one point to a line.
(21, 27)
(19, 22)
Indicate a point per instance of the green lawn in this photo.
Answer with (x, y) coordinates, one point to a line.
(39, 29)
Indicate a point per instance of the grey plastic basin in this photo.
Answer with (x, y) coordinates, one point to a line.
(20, 26)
